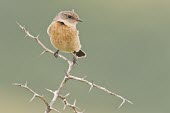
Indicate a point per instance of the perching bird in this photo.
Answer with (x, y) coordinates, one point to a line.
(64, 35)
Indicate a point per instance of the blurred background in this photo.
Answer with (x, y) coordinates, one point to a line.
(127, 46)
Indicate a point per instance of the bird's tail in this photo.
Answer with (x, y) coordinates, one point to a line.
(80, 54)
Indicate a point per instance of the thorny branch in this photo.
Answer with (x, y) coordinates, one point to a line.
(36, 95)
(68, 76)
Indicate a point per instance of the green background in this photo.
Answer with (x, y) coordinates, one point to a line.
(128, 51)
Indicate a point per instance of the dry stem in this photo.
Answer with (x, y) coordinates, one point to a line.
(68, 76)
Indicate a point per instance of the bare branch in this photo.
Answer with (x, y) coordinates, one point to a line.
(101, 88)
(66, 103)
(36, 95)
(68, 76)
(39, 42)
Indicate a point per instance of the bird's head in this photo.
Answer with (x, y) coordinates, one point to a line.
(70, 18)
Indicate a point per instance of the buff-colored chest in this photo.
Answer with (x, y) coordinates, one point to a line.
(63, 37)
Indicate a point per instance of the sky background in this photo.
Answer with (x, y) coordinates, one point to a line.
(127, 43)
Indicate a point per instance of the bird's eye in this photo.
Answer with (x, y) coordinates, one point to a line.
(69, 16)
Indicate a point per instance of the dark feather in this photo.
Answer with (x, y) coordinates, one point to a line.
(80, 53)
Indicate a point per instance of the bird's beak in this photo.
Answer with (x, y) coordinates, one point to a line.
(79, 20)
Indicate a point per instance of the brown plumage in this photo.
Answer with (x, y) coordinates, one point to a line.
(63, 33)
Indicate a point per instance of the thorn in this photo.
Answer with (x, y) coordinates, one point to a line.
(33, 97)
(84, 77)
(121, 104)
(26, 84)
(64, 106)
(25, 36)
(67, 95)
(55, 110)
(74, 103)
(43, 52)
(37, 36)
(49, 90)
(91, 87)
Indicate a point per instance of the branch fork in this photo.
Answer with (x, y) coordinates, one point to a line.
(68, 76)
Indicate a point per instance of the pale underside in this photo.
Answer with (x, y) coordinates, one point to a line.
(64, 38)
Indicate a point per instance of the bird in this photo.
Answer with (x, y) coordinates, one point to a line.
(64, 35)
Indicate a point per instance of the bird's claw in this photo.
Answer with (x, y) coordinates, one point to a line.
(75, 60)
(56, 54)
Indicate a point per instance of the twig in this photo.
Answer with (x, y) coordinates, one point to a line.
(40, 43)
(101, 88)
(48, 107)
(68, 76)
(66, 103)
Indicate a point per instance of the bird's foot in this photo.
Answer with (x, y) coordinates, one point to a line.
(56, 54)
(75, 60)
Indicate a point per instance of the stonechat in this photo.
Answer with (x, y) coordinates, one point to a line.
(64, 35)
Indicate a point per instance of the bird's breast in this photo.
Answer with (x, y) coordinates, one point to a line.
(63, 37)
